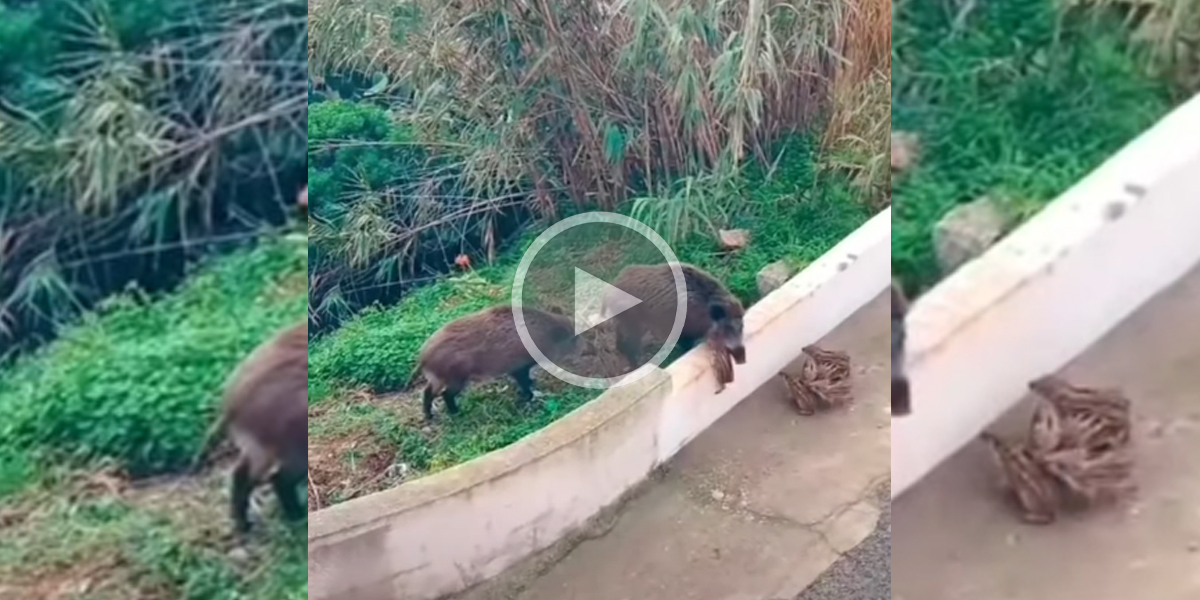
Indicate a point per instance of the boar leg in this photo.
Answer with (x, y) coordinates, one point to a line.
(629, 344)
(524, 384)
(427, 402)
(243, 485)
(286, 484)
(449, 397)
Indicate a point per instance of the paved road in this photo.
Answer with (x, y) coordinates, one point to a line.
(755, 508)
(864, 573)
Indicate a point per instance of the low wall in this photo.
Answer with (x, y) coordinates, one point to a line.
(444, 533)
(1048, 291)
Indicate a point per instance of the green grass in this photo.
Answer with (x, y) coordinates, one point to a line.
(131, 391)
(139, 382)
(1017, 105)
(790, 216)
(791, 213)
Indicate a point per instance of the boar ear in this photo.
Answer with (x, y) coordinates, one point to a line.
(717, 311)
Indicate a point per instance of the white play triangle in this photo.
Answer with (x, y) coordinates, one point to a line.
(590, 292)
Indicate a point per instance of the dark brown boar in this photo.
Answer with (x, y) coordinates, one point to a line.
(486, 345)
(713, 313)
(265, 414)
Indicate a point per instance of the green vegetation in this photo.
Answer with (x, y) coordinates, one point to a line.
(1018, 103)
(469, 128)
(512, 121)
(133, 135)
(143, 144)
(360, 152)
(137, 381)
(131, 391)
(789, 218)
(356, 436)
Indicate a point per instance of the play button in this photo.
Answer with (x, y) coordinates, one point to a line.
(573, 269)
(597, 301)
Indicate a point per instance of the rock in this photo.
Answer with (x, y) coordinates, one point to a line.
(718, 495)
(967, 231)
(239, 555)
(774, 275)
(734, 239)
(905, 146)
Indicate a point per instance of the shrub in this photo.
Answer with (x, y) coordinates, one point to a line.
(357, 145)
(382, 202)
(620, 100)
(139, 380)
(133, 133)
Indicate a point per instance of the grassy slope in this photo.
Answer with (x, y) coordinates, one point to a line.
(1005, 108)
(133, 390)
(788, 217)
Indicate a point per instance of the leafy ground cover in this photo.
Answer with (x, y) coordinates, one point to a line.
(97, 425)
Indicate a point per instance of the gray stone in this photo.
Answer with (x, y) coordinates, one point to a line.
(774, 275)
(968, 231)
(734, 239)
(905, 146)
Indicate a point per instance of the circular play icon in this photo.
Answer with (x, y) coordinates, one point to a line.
(598, 268)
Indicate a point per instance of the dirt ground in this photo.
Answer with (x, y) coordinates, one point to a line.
(66, 560)
(956, 537)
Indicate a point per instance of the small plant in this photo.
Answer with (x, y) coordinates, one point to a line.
(695, 205)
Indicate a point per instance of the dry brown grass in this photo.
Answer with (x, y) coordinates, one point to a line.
(596, 97)
(1169, 28)
(857, 133)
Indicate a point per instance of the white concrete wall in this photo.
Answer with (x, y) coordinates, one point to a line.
(443, 533)
(811, 305)
(1048, 291)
